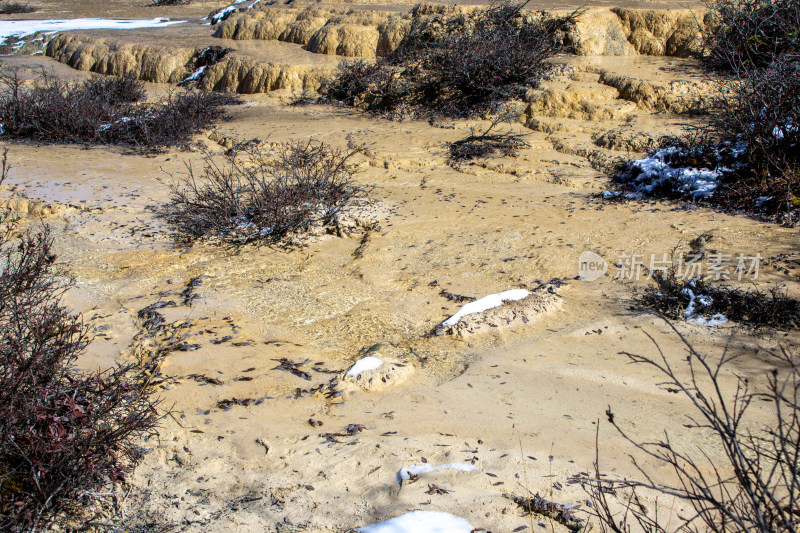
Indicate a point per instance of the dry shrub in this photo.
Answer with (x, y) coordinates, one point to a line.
(13, 8)
(65, 435)
(757, 309)
(456, 66)
(754, 45)
(745, 34)
(104, 111)
(262, 193)
(480, 145)
(159, 3)
(755, 487)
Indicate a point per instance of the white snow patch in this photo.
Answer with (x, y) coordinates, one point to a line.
(222, 14)
(362, 365)
(420, 468)
(655, 173)
(485, 303)
(420, 522)
(21, 28)
(194, 75)
(703, 300)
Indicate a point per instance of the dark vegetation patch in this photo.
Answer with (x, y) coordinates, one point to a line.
(262, 193)
(65, 436)
(754, 45)
(747, 34)
(303, 98)
(159, 3)
(211, 56)
(674, 297)
(481, 145)
(104, 111)
(565, 515)
(13, 8)
(455, 65)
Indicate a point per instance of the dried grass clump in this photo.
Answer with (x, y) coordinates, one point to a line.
(65, 435)
(753, 45)
(481, 145)
(753, 308)
(262, 193)
(159, 3)
(13, 8)
(455, 66)
(104, 111)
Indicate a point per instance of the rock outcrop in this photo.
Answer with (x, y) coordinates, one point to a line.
(106, 56)
(359, 33)
(234, 73)
(248, 76)
(626, 31)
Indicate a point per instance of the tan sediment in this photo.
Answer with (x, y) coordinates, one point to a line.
(247, 76)
(506, 401)
(235, 73)
(544, 299)
(330, 31)
(351, 33)
(541, 385)
(105, 56)
(627, 31)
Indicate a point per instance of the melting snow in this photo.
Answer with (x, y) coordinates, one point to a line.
(367, 363)
(485, 303)
(420, 468)
(420, 522)
(655, 173)
(194, 75)
(222, 15)
(21, 28)
(703, 300)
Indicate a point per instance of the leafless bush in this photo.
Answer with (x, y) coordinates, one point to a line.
(262, 194)
(479, 145)
(748, 34)
(13, 8)
(456, 65)
(762, 114)
(169, 123)
(750, 307)
(303, 98)
(756, 113)
(159, 3)
(755, 488)
(104, 111)
(64, 435)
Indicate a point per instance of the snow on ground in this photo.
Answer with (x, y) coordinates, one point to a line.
(485, 303)
(194, 75)
(420, 468)
(692, 315)
(420, 522)
(654, 173)
(22, 28)
(362, 365)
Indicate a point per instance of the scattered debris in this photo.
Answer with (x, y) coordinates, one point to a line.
(188, 293)
(564, 514)
(293, 367)
(457, 298)
(246, 402)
